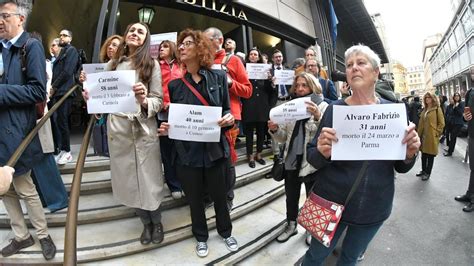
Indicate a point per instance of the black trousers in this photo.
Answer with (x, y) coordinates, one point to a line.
(148, 217)
(61, 125)
(292, 191)
(470, 189)
(427, 161)
(260, 130)
(453, 134)
(195, 181)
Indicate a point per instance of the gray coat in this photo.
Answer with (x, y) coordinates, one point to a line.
(135, 159)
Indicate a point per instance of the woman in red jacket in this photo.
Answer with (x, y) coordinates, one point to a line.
(170, 70)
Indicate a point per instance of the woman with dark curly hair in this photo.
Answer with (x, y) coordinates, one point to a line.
(201, 166)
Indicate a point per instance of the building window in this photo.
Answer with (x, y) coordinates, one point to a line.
(467, 21)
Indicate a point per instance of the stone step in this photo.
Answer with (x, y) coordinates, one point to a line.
(99, 163)
(103, 207)
(119, 238)
(99, 181)
(253, 231)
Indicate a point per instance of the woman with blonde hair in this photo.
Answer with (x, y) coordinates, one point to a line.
(109, 48)
(296, 136)
(430, 127)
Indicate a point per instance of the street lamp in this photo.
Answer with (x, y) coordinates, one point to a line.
(145, 14)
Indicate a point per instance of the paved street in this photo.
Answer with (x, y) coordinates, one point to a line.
(427, 226)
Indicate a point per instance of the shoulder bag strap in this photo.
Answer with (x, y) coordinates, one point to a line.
(356, 182)
(195, 92)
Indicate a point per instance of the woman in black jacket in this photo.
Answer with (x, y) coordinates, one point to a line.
(456, 122)
(255, 112)
(201, 166)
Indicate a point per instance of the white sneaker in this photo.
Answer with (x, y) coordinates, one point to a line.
(176, 194)
(65, 158)
(202, 249)
(57, 157)
(231, 243)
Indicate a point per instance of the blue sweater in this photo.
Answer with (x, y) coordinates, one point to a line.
(372, 201)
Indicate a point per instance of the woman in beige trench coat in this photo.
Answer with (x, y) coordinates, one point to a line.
(135, 161)
(429, 129)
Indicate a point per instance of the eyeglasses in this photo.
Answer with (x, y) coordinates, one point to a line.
(5, 16)
(185, 44)
(64, 35)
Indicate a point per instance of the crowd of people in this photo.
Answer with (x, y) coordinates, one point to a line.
(203, 69)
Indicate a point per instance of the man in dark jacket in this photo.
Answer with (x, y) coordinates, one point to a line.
(64, 68)
(19, 91)
(414, 110)
(469, 196)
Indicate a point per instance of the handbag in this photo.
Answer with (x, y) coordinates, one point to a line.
(278, 168)
(320, 217)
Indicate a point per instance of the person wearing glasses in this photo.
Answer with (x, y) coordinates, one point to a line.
(239, 87)
(20, 90)
(134, 148)
(170, 69)
(64, 68)
(329, 91)
(54, 49)
(201, 166)
(430, 127)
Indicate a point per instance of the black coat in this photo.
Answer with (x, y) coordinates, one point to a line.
(213, 87)
(257, 107)
(64, 68)
(274, 91)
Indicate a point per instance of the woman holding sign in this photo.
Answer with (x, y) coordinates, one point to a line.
(135, 162)
(296, 135)
(255, 112)
(201, 166)
(371, 203)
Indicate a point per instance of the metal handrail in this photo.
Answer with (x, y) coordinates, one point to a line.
(70, 256)
(70, 236)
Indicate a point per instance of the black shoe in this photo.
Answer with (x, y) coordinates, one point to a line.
(48, 247)
(469, 207)
(421, 173)
(260, 161)
(157, 235)
(462, 198)
(16, 246)
(425, 177)
(448, 154)
(252, 164)
(145, 238)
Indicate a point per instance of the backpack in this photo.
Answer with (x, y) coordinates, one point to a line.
(40, 105)
(82, 60)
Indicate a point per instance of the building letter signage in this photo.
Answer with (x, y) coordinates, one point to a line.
(221, 8)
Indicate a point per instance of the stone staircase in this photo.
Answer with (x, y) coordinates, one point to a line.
(109, 232)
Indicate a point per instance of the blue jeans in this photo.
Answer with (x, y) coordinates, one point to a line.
(355, 242)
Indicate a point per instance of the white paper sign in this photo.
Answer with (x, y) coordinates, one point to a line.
(284, 77)
(93, 68)
(291, 111)
(369, 132)
(194, 122)
(258, 71)
(111, 92)
(156, 39)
